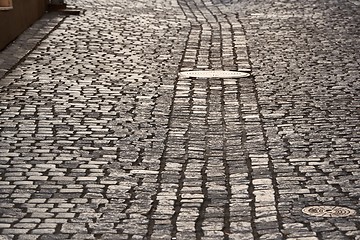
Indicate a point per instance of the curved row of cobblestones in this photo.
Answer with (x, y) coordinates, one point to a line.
(82, 138)
(101, 139)
(305, 59)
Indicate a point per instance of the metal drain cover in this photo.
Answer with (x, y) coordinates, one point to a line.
(215, 74)
(328, 211)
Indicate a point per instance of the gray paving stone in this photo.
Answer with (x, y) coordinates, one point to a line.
(100, 138)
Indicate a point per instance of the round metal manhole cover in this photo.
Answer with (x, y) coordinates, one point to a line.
(328, 211)
(215, 74)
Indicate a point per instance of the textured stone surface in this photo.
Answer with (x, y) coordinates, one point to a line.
(101, 139)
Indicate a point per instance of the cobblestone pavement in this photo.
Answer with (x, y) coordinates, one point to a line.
(101, 139)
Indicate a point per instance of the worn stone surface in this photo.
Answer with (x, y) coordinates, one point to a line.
(305, 60)
(101, 139)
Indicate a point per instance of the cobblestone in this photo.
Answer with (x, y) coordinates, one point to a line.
(101, 139)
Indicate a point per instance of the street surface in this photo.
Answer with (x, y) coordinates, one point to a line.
(101, 139)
